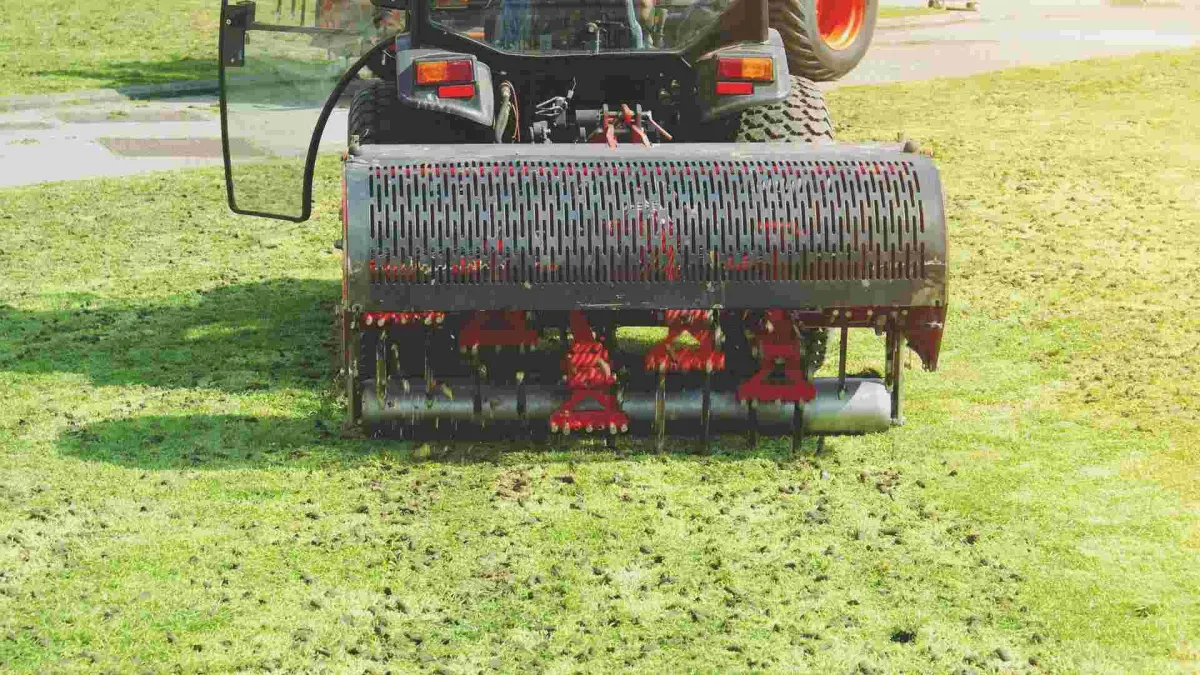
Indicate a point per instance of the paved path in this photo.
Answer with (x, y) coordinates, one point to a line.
(123, 138)
(1008, 33)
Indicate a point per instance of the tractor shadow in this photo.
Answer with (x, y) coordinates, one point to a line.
(212, 442)
(132, 77)
(216, 442)
(263, 336)
(236, 338)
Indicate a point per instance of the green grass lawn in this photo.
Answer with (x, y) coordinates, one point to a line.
(898, 12)
(175, 494)
(62, 45)
(53, 46)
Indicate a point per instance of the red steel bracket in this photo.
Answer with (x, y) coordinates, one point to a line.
(779, 353)
(706, 357)
(497, 328)
(589, 376)
(385, 319)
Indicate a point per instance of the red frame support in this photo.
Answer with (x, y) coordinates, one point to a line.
(704, 357)
(589, 376)
(778, 342)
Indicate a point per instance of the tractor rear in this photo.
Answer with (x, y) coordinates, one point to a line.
(576, 218)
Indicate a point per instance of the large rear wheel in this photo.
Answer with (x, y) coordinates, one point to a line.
(825, 39)
(802, 117)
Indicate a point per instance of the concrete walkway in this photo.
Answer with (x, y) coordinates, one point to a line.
(1009, 33)
(116, 138)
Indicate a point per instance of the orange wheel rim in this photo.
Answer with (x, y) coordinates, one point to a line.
(840, 21)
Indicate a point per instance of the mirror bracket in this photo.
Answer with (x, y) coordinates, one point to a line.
(238, 19)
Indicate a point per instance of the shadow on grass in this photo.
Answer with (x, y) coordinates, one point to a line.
(243, 441)
(236, 338)
(211, 442)
(276, 334)
(122, 74)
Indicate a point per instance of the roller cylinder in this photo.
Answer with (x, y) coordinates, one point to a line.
(865, 407)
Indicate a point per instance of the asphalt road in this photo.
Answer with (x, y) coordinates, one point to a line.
(122, 138)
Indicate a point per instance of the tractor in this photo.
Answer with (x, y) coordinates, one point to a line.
(526, 179)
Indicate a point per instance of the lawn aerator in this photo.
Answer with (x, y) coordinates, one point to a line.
(531, 175)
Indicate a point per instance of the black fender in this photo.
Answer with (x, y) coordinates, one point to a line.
(711, 106)
(479, 109)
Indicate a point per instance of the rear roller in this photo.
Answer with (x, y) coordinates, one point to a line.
(488, 293)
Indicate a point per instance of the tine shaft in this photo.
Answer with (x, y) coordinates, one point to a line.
(897, 370)
(753, 419)
(797, 426)
(842, 361)
(660, 413)
(381, 366)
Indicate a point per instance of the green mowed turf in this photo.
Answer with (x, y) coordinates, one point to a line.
(62, 45)
(900, 12)
(175, 492)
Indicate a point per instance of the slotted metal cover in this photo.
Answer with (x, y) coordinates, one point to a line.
(672, 215)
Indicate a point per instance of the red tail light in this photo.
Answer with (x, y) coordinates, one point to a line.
(756, 69)
(445, 72)
(735, 88)
(457, 91)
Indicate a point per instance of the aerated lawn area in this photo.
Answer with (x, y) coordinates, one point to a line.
(176, 495)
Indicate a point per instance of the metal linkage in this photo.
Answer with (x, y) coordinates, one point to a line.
(589, 376)
(497, 329)
(782, 376)
(666, 355)
(385, 319)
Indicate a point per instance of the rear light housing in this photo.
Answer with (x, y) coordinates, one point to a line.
(754, 69)
(736, 75)
(458, 71)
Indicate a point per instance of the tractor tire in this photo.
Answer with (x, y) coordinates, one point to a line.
(377, 117)
(824, 39)
(802, 117)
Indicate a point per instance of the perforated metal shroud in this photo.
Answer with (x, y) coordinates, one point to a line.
(674, 226)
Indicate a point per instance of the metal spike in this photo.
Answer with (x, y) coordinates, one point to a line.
(660, 412)
(842, 362)
(752, 416)
(797, 426)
